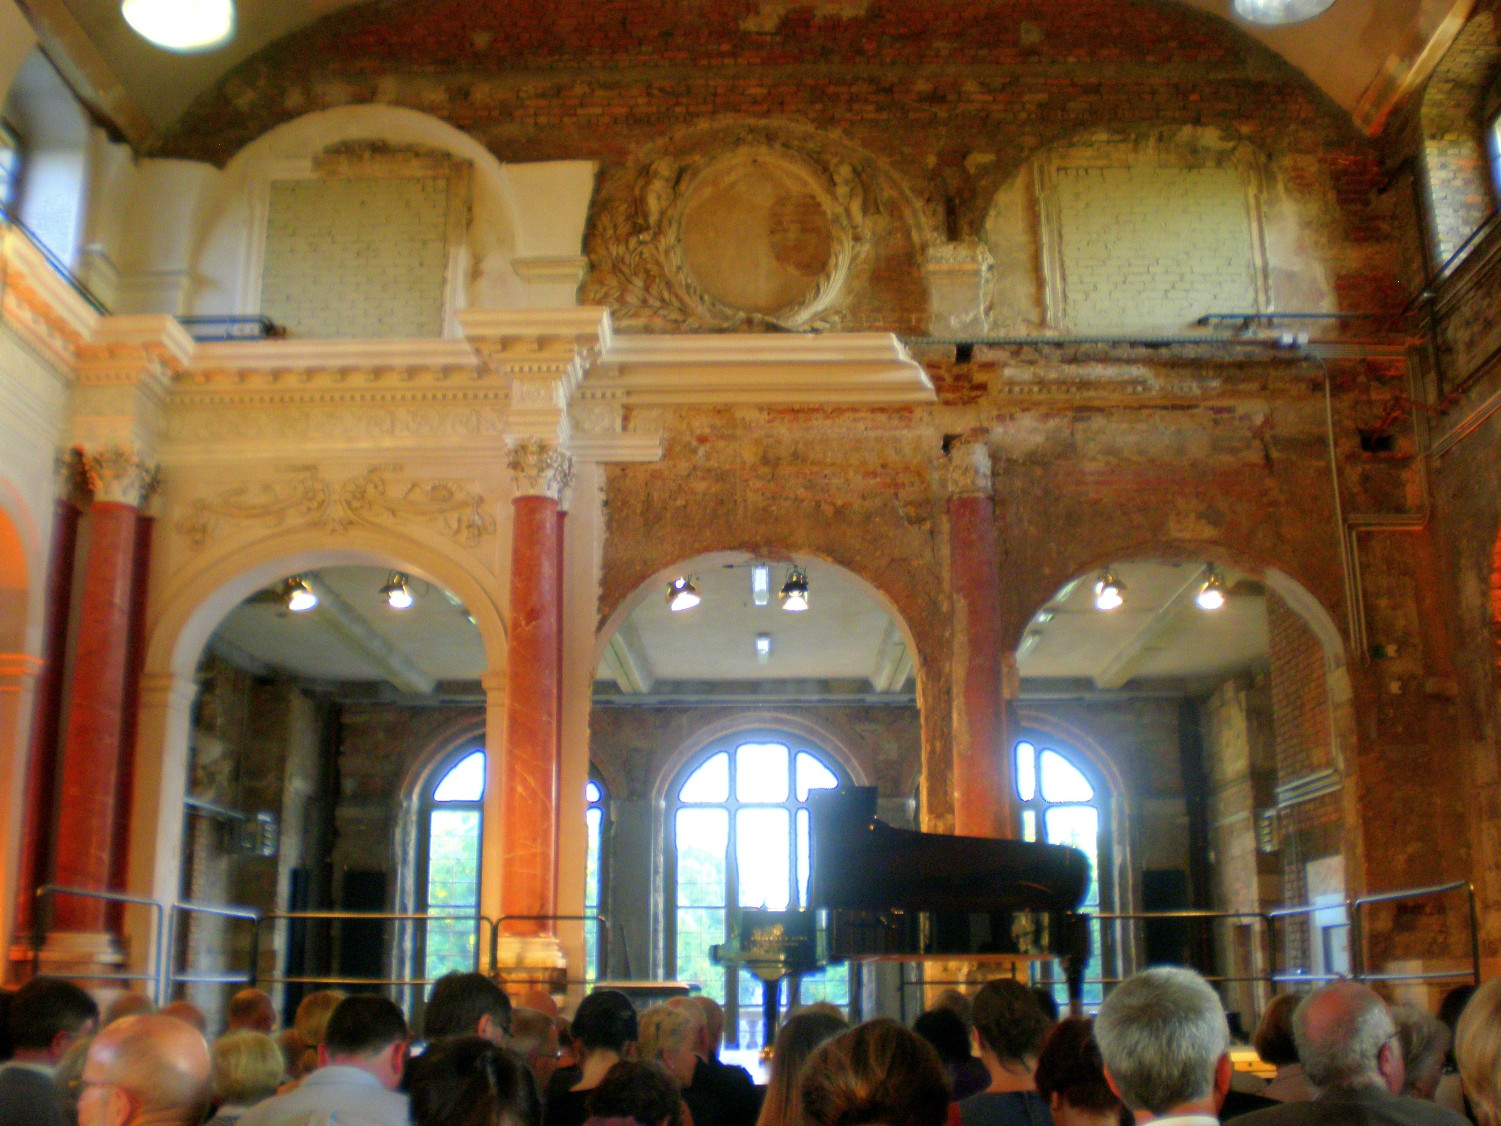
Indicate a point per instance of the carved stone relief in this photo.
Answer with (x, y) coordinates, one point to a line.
(733, 227)
(311, 499)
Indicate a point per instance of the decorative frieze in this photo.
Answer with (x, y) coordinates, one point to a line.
(309, 499)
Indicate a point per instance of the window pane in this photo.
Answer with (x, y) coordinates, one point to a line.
(803, 870)
(1062, 780)
(1078, 825)
(703, 836)
(465, 780)
(453, 859)
(1029, 824)
(764, 867)
(593, 818)
(698, 929)
(592, 793)
(831, 984)
(761, 772)
(812, 775)
(710, 782)
(1026, 771)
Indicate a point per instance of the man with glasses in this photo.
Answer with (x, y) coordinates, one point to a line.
(1347, 1043)
(144, 1070)
(47, 1016)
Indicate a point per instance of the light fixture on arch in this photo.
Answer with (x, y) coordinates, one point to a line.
(794, 593)
(397, 593)
(1212, 596)
(182, 25)
(1109, 591)
(682, 594)
(300, 596)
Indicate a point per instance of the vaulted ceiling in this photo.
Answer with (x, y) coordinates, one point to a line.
(1364, 54)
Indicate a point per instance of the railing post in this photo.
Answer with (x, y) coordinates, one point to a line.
(1357, 939)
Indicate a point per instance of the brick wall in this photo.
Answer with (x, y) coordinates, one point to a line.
(1153, 248)
(1456, 120)
(360, 258)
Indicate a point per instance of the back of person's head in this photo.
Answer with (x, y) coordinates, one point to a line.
(363, 1025)
(641, 1092)
(1162, 1033)
(664, 1028)
(471, 1081)
(605, 1021)
(1069, 1066)
(160, 1063)
(954, 999)
(1340, 1031)
(880, 1073)
(127, 1005)
(1273, 1040)
(460, 1001)
(1425, 1043)
(188, 1013)
(945, 1030)
(1008, 1019)
(1477, 1048)
(799, 1037)
(47, 1008)
(252, 1009)
(247, 1067)
(312, 1016)
(713, 1018)
(531, 1032)
(1047, 1001)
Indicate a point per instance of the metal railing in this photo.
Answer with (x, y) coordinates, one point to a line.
(171, 977)
(45, 895)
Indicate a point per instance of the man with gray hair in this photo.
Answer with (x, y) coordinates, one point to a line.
(1347, 1042)
(1165, 1043)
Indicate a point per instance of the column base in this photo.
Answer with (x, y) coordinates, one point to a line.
(527, 963)
(88, 957)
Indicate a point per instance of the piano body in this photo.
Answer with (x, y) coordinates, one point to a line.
(882, 893)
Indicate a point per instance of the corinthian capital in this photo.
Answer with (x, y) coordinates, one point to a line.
(118, 475)
(540, 468)
(969, 469)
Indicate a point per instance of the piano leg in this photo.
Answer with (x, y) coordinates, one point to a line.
(770, 1011)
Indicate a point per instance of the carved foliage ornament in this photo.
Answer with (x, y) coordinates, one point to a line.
(118, 475)
(763, 227)
(540, 469)
(371, 499)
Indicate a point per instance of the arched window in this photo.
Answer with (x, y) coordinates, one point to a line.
(1062, 804)
(596, 823)
(737, 824)
(450, 820)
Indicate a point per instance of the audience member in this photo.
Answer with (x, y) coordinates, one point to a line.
(1425, 1044)
(1047, 1001)
(1477, 1048)
(188, 1013)
(539, 1000)
(1275, 1045)
(1071, 1076)
(46, 1016)
(604, 1029)
(720, 1093)
(1450, 1093)
(635, 1094)
(1165, 1045)
(66, 1078)
(534, 1037)
(956, 1000)
(247, 1071)
(467, 1004)
(127, 1005)
(471, 1081)
(799, 1037)
(946, 1031)
(360, 1064)
(1348, 1043)
(666, 1037)
(878, 1073)
(1009, 1028)
(146, 1070)
(6, 1050)
(252, 1010)
(300, 1043)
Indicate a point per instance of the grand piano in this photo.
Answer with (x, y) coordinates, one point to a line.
(882, 893)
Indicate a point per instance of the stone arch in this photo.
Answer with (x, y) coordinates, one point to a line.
(190, 607)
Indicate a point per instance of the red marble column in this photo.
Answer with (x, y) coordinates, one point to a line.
(38, 824)
(136, 647)
(91, 759)
(530, 764)
(983, 804)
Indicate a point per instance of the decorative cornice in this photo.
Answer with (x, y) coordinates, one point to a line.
(39, 303)
(826, 369)
(301, 362)
(540, 468)
(118, 475)
(557, 270)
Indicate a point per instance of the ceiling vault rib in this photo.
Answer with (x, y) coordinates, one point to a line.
(85, 68)
(1128, 659)
(354, 628)
(627, 661)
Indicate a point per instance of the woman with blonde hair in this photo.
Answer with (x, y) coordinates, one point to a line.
(666, 1037)
(1477, 1048)
(801, 1035)
(247, 1069)
(300, 1043)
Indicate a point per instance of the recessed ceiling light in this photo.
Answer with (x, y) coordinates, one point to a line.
(182, 25)
(1276, 13)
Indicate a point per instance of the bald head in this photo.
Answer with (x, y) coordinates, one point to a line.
(145, 1069)
(1346, 1038)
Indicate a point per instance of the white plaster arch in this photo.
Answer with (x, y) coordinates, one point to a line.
(502, 223)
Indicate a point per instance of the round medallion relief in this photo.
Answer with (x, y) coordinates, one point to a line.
(756, 234)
